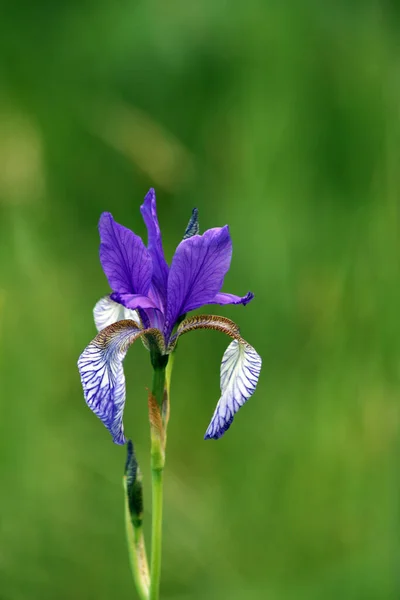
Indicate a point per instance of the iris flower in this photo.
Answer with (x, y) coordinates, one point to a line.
(150, 300)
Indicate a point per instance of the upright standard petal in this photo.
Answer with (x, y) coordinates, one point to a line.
(125, 259)
(197, 272)
(102, 375)
(154, 245)
(106, 312)
(240, 369)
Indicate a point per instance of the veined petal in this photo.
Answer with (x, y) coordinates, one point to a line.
(205, 322)
(240, 370)
(106, 312)
(154, 245)
(125, 259)
(197, 272)
(223, 298)
(102, 375)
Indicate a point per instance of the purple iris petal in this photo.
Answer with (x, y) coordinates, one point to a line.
(160, 268)
(222, 299)
(125, 259)
(197, 272)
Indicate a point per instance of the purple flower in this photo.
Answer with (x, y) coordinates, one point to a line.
(150, 299)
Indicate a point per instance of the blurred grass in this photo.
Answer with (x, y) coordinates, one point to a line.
(283, 121)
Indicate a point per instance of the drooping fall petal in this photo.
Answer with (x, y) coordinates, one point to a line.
(102, 375)
(240, 370)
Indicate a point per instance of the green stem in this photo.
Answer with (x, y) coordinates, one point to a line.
(157, 467)
(158, 385)
(156, 536)
(168, 371)
(137, 552)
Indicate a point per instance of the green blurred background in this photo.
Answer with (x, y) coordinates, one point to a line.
(281, 119)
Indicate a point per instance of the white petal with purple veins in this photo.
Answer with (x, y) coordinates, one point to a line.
(102, 375)
(240, 369)
(106, 312)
